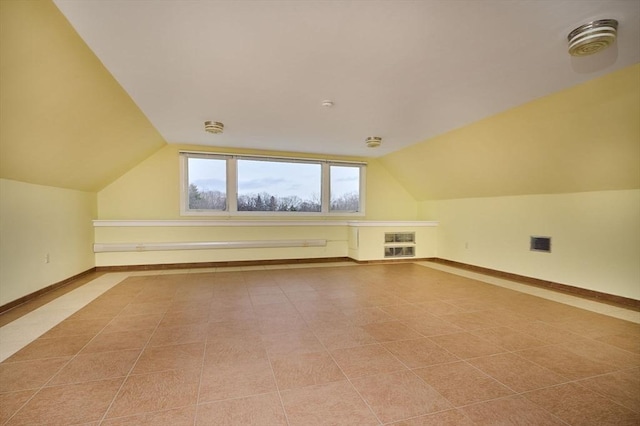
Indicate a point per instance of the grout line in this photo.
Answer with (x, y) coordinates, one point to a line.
(273, 373)
(335, 362)
(126, 378)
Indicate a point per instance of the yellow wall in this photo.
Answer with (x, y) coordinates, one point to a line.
(151, 190)
(38, 220)
(65, 122)
(595, 237)
(566, 166)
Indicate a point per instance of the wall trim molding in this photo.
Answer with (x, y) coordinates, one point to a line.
(549, 285)
(28, 297)
(265, 223)
(203, 245)
(220, 264)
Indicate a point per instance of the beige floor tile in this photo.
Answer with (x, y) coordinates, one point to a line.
(133, 322)
(471, 320)
(430, 325)
(234, 379)
(236, 348)
(184, 416)
(461, 383)
(292, 343)
(390, 331)
(96, 366)
(335, 336)
(118, 341)
(172, 357)
(152, 392)
(579, 406)
(68, 404)
(258, 410)
(466, 345)
(443, 418)
(329, 404)
(296, 371)
(622, 387)
(364, 316)
(403, 311)
(51, 348)
(77, 327)
(627, 341)
(565, 363)
(174, 335)
(516, 372)
(605, 353)
(366, 361)
(419, 352)
(11, 402)
(32, 374)
(514, 410)
(439, 307)
(398, 396)
(508, 338)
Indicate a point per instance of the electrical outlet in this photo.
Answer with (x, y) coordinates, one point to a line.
(466, 245)
(47, 258)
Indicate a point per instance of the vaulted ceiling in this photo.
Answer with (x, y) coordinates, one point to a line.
(89, 89)
(402, 70)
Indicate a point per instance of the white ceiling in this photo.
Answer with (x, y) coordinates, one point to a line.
(402, 70)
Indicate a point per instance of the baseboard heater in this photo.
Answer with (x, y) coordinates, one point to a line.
(204, 245)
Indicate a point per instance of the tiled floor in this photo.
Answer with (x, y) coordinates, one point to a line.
(397, 344)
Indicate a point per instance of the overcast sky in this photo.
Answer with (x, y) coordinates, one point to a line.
(283, 179)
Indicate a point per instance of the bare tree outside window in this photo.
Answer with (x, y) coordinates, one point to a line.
(345, 188)
(279, 186)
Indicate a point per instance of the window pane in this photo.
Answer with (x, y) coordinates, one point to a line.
(207, 184)
(345, 188)
(279, 186)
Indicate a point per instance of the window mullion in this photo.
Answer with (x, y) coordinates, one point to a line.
(232, 185)
(326, 190)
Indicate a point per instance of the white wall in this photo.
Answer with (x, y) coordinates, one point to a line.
(595, 237)
(38, 220)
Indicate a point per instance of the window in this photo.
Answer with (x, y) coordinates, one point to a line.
(279, 186)
(344, 188)
(207, 184)
(235, 184)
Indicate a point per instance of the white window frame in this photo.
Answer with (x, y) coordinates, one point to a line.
(232, 185)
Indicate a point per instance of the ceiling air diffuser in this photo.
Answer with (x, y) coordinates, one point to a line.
(213, 126)
(593, 37)
(373, 141)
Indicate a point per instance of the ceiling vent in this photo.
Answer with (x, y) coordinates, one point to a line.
(373, 141)
(593, 37)
(213, 126)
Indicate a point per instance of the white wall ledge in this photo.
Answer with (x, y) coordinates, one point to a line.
(256, 223)
(392, 223)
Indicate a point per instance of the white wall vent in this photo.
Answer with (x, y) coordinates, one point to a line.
(399, 244)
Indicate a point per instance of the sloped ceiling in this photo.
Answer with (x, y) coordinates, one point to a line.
(64, 120)
(586, 138)
(402, 70)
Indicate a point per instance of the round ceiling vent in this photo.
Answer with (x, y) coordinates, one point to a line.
(213, 126)
(593, 37)
(373, 142)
